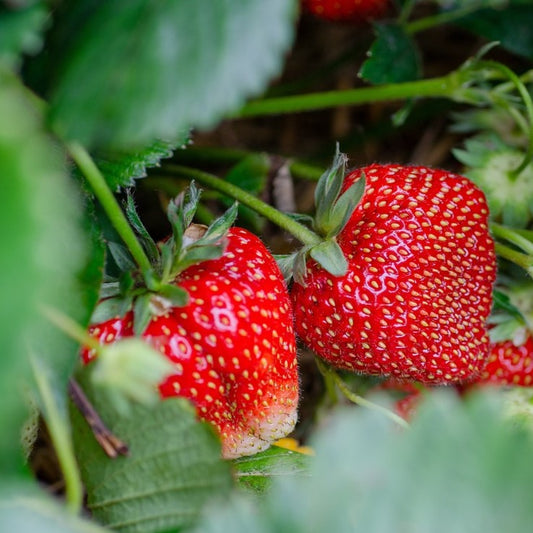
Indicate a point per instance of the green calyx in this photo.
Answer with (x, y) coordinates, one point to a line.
(511, 314)
(153, 291)
(491, 164)
(334, 207)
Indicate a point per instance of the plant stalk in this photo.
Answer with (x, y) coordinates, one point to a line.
(302, 233)
(449, 86)
(328, 372)
(101, 190)
(60, 435)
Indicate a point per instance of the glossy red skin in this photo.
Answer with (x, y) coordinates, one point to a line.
(233, 345)
(510, 364)
(354, 11)
(418, 290)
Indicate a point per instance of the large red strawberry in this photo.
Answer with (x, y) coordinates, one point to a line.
(232, 344)
(347, 10)
(416, 291)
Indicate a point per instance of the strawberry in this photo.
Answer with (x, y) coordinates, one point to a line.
(232, 343)
(413, 299)
(347, 10)
(510, 363)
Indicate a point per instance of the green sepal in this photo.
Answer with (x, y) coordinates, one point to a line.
(126, 282)
(329, 256)
(142, 313)
(109, 289)
(328, 189)
(111, 308)
(299, 270)
(146, 240)
(218, 229)
(181, 211)
(286, 265)
(176, 296)
(333, 208)
(121, 256)
(198, 254)
(502, 302)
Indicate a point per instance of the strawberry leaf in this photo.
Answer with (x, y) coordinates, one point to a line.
(449, 472)
(172, 472)
(98, 95)
(393, 57)
(256, 472)
(121, 169)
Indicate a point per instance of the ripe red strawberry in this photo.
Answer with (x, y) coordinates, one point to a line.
(510, 363)
(416, 294)
(232, 344)
(347, 10)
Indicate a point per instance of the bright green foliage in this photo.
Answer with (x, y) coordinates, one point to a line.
(173, 468)
(460, 467)
(393, 57)
(42, 251)
(135, 70)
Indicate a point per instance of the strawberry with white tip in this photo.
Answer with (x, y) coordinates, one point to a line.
(231, 341)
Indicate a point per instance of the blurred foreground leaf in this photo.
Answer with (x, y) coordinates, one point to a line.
(131, 71)
(43, 250)
(460, 467)
(173, 468)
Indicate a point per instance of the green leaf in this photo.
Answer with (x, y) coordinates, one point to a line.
(21, 30)
(451, 471)
(41, 515)
(256, 472)
(510, 26)
(392, 58)
(44, 250)
(121, 169)
(328, 255)
(173, 469)
(131, 71)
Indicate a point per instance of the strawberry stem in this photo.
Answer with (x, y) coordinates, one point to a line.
(512, 236)
(328, 372)
(301, 232)
(452, 86)
(60, 435)
(71, 328)
(101, 190)
(520, 259)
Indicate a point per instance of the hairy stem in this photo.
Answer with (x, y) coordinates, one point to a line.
(449, 86)
(329, 373)
(427, 23)
(302, 233)
(109, 203)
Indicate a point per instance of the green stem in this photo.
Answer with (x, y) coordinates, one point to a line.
(71, 328)
(61, 439)
(522, 260)
(222, 156)
(449, 86)
(512, 236)
(303, 234)
(326, 370)
(442, 18)
(100, 188)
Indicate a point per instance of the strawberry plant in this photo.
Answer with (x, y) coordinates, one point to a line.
(266, 265)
